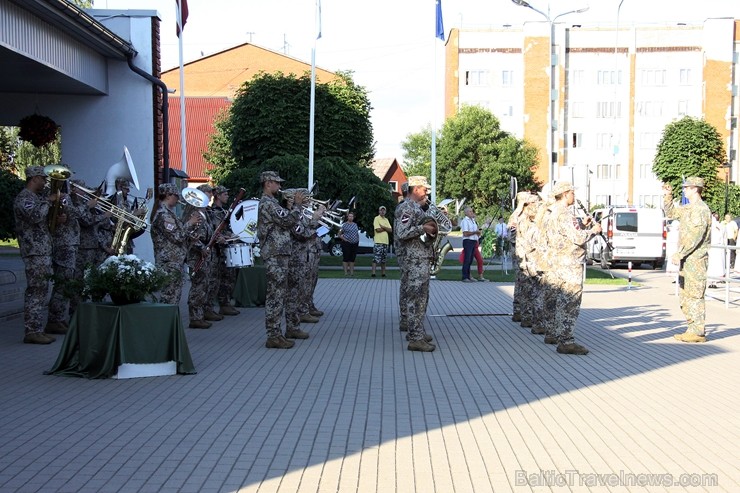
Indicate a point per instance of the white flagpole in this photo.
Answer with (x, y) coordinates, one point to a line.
(183, 133)
(434, 129)
(312, 110)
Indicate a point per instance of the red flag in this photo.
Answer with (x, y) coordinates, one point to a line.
(183, 6)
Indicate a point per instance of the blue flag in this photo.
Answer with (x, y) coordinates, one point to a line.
(684, 200)
(440, 26)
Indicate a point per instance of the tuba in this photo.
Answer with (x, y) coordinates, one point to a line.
(57, 174)
(444, 227)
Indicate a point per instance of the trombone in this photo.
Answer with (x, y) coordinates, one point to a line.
(105, 205)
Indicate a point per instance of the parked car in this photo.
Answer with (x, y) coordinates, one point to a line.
(630, 234)
(334, 246)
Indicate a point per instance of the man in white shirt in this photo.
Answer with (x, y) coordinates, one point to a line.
(502, 236)
(731, 230)
(471, 234)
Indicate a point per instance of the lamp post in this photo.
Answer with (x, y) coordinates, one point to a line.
(726, 166)
(552, 107)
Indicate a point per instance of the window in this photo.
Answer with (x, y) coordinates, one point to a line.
(602, 171)
(576, 109)
(576, 77)
(577, 140)
(608, 77)
(506, 109)
(608, 109)
(609, 171)
(626, 221)
(650, 108)
(684, 76)
(649, 140)
(476, 78)
(652, 77)
(394, 186)
(683, 108)
(507, 77)
(646, 172)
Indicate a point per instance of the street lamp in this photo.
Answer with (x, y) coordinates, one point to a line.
(552, 107)
(727, 167)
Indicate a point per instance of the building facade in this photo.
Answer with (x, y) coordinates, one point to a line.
(613, 92)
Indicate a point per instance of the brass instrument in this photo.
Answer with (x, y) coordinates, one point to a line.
(57, 174)
(444, 227)
(125, 231)
(104, 205)
(330, 219)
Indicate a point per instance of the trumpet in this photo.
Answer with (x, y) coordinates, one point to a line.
(105, 205)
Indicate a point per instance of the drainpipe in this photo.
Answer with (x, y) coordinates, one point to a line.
(165, 114)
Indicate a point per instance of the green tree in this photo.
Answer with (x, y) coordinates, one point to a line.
(476, 160)
(10, 186)
(417, 153)
(692, 147)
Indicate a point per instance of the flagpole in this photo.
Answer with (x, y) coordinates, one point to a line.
(312, 110)
(183, 133)
(439, 33)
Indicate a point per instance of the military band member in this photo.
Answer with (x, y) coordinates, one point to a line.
(224, 277)
(410, 224)
(314, 258)
(692, 255)
(525, 288)
(566, 244)
(211, 284)
(170, 238)
(34, 241)
(274, 224)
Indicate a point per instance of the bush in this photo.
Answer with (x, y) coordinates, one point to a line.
(10, 187)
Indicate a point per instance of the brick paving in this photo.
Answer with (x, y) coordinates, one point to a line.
(493, 409)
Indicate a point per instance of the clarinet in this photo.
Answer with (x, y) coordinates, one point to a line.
(601, 233)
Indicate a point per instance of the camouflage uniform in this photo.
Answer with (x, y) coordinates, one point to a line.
(170, 240)
(314, 258)
(224, 278)
(693, 247)
(200, 281)
(65, 242)
(527, 272)
(276, 244)
(398, 247)
(299, 273)
(519, 277)
(544, 308)
(567, 252)
(34, 241)
(415, 274)
(89, 252)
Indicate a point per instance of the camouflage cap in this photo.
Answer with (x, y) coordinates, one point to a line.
(270, 176)
(205, 187)
(694, 181)
(561, 187)
(32, 171)
(219, 190)
(168, 189)
(418, 181)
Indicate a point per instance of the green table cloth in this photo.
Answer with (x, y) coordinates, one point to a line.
(103, 336)
(250, 286)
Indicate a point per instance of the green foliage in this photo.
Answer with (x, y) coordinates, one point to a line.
(691, 147)
(417, 155)
(10, 187)
(476, 160)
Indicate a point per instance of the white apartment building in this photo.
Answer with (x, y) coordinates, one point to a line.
(613, 92)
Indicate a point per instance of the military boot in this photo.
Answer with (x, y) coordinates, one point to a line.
(296, 334)
(37, 338)
(421, 345)
(526, 323)
(315, 312)
(551, 340)
(426, 337)
(199, 324)
(309, 319)
(228, 310)
(56, 328)
(279, 342)
(212, 316)
(538, 331)
(689, 337)
(571, 348)
(517, 317)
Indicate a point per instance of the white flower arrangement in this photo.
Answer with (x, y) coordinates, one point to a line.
(124, 276)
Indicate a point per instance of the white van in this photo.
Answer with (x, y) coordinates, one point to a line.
(629, 234)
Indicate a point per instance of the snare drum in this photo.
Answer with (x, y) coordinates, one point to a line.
(239, 255)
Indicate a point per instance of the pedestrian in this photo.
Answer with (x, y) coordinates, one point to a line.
(471, 234)
(349, 234)
(30, 210)
(411, 222)
(381, 229)
(692, 254)
(566, 244)
(502, 237)
(731, 231)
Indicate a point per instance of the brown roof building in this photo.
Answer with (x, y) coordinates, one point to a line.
(390, 171)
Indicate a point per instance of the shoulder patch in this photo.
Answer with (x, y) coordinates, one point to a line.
(28, 204)
(406, 217)
(282, 212)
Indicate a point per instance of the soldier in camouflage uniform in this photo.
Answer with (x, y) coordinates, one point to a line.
(211, 262)
(274, 224)
(314, 257)
(30, 210)
(526, 247)
(566, 247)
(692, 257)
(410, 224)
(398, 249)
(519, 280)
(224, 278)
(198, 301)
(170, 238)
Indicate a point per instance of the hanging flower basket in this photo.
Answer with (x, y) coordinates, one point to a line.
(39, 130)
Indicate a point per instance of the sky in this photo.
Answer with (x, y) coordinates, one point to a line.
(388, 45)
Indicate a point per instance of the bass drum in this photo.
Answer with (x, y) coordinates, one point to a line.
(243, 220)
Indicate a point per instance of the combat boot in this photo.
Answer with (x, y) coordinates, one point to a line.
(37, 338)
(526, 324)
(199, 324)
(572, 348)
(309, 319)
(55, 328)
(228, 310)
(421, 345)
(551, 340)
(212, 316)
(404, 328)
(538, 331)
(279, 342)
(296, 334)
(315, 312)
(517, 317)
(426, 337)
(689, 337)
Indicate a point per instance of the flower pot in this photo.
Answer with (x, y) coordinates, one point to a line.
(124, 299)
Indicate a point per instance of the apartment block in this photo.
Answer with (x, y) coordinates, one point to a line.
(610, 90)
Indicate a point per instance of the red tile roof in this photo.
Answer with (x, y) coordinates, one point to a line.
(200, 115)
